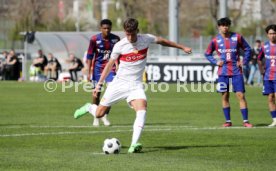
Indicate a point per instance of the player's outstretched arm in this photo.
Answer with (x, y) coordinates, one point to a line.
(105, 73)
(165, 42)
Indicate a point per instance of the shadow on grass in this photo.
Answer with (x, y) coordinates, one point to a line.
(154, 124)
(168, 124)
(167, 148)
(261, 125)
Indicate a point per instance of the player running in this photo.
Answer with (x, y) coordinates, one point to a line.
(98, 54)
(268, 69)
(227, 45)
(127, 84)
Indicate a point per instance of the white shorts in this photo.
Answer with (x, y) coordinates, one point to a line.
(120, 89)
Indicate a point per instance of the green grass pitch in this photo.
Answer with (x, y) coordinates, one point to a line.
(183, 132)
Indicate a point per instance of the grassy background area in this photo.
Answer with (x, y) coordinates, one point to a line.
(183, 132)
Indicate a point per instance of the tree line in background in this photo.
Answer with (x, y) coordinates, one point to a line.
(196, 17)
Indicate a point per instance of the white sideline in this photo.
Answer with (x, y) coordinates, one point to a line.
(130, 126)
(90, 126)
(150, 128)
(69, 133)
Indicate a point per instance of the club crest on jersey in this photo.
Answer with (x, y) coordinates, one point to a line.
(135, 51)
(103, 99)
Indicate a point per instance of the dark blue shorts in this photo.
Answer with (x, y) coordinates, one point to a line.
(96, 76)
(269, 87)
(236, 80)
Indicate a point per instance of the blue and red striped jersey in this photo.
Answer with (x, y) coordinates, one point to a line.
(268, 51)
(99, 50)
(228, 51)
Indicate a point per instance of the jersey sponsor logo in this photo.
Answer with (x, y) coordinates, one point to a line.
(234, 38)
(218, 40)
(270, 57)
(134, 56)
(104, 51)
(227, 50)
(114, 40)
(98, 42)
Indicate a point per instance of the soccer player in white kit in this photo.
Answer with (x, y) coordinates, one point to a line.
(128, 84)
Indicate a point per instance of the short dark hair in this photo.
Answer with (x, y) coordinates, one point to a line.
(131, 25)
(258, 41)
(224, 22)
(106, 21)
(269, 27)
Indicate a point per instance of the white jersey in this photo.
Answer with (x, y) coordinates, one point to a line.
(132, 57)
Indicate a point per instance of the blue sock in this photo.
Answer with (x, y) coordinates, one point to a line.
(226, 112)
(273, 114)
(244, 114)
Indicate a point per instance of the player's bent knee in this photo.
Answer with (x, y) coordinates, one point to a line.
(139, 104)
(240, 95)
(99, 115)
(271, 99)
(101, 111)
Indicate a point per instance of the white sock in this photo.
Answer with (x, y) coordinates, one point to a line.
(104, 117)
(138, 125)
(274, 119)
(85, 77)
(92, 109)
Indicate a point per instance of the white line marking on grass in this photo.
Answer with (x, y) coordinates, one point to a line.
(70, 133)
(76, 126)
(130, 126)
(155, 128)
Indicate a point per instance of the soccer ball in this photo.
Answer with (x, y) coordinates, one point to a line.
(111, 146)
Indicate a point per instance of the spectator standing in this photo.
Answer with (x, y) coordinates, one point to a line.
(12, 68)
(254, 68)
